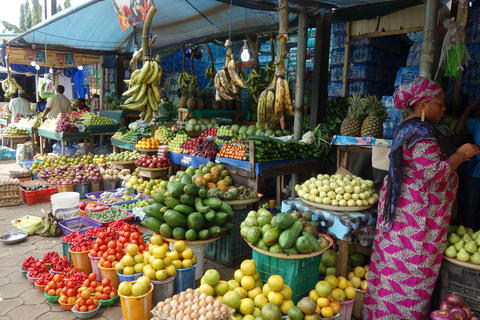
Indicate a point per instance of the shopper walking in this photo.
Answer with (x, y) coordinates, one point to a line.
(58, 104)
(414, 208)
(19, 105)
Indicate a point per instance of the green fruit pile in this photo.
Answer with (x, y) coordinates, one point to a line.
(232, 193)
(328, 263)
(164, 135)
(15, 131)
(183, 211)
(269, 149)
(463, 244)
(123, 156)
(282, 233)
(200, 124)
(244, 132)
(93, 119)
(176, 143)
(138, 204)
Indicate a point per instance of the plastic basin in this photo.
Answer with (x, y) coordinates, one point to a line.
(53, 299)
(109, 273)
(86, 315)
(184, 279)
(109, 302)
(81, 260)
(163, 289)
(95, 269)
(137, 308)
(128, 277)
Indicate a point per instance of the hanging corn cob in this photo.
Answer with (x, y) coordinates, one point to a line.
(144, 90)
(276, 98)
(227, 81)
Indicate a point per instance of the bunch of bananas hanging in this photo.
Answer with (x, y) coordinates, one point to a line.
(256, 83)
(186, 80)
(144, 90)
(10, 87)
(227, 81)
(270, 72)
(274, 100)
(210, 74)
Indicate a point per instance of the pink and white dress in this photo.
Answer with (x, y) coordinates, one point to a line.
(406, 260)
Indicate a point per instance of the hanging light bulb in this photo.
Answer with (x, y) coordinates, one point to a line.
(50, 70)
(33, 63)
(80, 67)
(245, 56)
(37, 67)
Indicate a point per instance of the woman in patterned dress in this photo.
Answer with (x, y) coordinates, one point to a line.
(414, 208)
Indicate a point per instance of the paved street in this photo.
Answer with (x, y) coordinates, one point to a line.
(19, 299)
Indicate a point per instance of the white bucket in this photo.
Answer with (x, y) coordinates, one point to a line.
(199, 252)
(65, 204)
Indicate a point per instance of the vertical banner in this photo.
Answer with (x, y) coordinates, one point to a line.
(131, 12)
(59, 59)
(29, 55)
(40, 57)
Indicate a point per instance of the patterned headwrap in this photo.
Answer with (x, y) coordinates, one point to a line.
(420, 90)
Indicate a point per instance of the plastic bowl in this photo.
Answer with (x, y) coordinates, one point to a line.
(53, 299)
(66, 306)
(109, 302)
(32, 280)
(24, 272)
(41, 287)
(86, 315)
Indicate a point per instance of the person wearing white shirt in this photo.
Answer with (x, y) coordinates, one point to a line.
(58, 104)
(19, 105)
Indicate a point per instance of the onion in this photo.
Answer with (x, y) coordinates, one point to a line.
(468, 311)
(440, 315)
(454, 299)
(444, 306)
(457, 313)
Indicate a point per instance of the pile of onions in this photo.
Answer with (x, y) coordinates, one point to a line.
(453, 307)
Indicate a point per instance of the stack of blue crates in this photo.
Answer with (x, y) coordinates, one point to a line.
(471, 74)
(292, 55)
(372, 65)
(411, 70)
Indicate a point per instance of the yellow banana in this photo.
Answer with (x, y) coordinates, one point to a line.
(279, 99)
(288, 98)
(132, 90)
(232, 71)
(156, 92)
(145, 70)
(154, 72)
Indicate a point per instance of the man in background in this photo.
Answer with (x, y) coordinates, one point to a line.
(58, 104)
(19, 105)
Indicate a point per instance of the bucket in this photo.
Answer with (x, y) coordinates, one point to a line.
(65, 204)
(346, 309)
(163, 289)
(358, 305)
(65, 187)
(66, 250)
(95, 268)
(184, 279)
(109, 273)
(199, 252)
(95, 187)
(137, 308)
(128, 277)
(109, 184)
(82, 189)
(81, 261)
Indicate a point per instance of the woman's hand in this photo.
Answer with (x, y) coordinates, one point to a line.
(469, 150)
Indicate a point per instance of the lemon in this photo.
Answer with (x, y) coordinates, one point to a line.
(187, 263)
(171, 270)
(323, 302)
(342, 283)
(248, 317)
(167, 261)
(254, 292)
(248, 267)
(260, 300)
(187, 253)
(207, 289)
(248, 283)
(350, 293)
(178, 264)
(335, 306)
(275, 298)
(359, 272)
(257, 312)
(314, 295)
(246, 306)
(286, 292)
(327, 312)
(276, 283)
(350, 275)
(364, 285)
(194, 259)
(241, 291)
(286, 305)
(356, 281)
(179, 246)
(332, 280)
(232, 284)
(266, 289)
(173, 255)
(238, 275)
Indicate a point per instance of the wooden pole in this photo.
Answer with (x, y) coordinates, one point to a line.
(428, 43)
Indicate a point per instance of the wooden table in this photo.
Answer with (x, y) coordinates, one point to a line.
(91, 139)
(62, 137)
(14, 140)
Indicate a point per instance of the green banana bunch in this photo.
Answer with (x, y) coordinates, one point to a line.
(210, 74)
(144, 90)
(10, 87)
(186, 80)
(270, 72)
(256, 83)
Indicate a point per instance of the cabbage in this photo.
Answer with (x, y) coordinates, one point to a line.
(28, 224)
(308, 137)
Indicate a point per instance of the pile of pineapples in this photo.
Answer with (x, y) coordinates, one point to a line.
(365, 117)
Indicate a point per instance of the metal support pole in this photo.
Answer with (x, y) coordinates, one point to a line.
(299, 85)
(53, 8)
(428, 44)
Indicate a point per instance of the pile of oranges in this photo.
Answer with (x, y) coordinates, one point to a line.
(148, 144)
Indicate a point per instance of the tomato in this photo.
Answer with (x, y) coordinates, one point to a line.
(95, 303)
(114, 263)
(64, 291)
(141, 247)
(71, 300)
(52, 284)
(86, 283)
(102, 235)
(70, 285)
(118, 256)
(105, 282)
(96, 247)
(61, 284)
(76, 307)
(71, 292)
(83, 308)
(58, 292)
(63, 299)
(122, 239)
(93, 253)
(107, 264)
(134, 236)
(97, 295)
(89, 302)
(126, 235)
(56, 278)
(111, 258)
(112, 245)
(81, 302)
(90, 308)
(103, 248)
(99, 289)
(112, 294)
(107, 290)
(92, 277)
(85, 294)
(126, 227)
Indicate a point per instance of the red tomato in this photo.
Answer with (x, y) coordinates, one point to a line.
(71, 292)
(107, 290)
(105, 297)
(89, 302)
(134, 236)
(93, 253)
(107, 264)
(106, 282)
(114, 263)
(86, 283)
(103, 248)
(58, 292)
(64, 291)
(71, 300)
(63, 299)
(92, 277)
(90, 308)
(83, 308)
(70, 285)
(118, 256)
(85, 295)
(112, 294)
(76, 307)
(51, 292)
(112, 245)
(102, 235)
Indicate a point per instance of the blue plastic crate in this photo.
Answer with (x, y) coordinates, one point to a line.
(406, 75)
(336, 73)
(337, 41)
(363, 88)
(474, 52)
(337, 56)
(339, 27)
(335, 89)
(363, 72)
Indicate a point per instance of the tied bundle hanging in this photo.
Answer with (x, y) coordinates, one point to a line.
(454, 56)
(227, 81)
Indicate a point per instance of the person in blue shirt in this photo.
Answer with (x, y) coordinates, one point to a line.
(41, 104)
(468, 198)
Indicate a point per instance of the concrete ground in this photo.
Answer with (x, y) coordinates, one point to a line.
(19, 299)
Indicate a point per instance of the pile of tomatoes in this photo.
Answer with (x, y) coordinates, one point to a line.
(131, 234)
(106, 248)
(101, 290)
(68, 294)
(55, 286)
(85, 301)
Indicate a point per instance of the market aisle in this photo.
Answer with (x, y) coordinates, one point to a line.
(19, 299)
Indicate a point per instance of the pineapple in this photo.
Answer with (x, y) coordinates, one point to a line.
(376, 114)
(352, 124)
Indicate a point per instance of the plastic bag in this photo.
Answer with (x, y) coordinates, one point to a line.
(28, 224)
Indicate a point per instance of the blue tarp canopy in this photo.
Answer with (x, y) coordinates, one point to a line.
(94, 25)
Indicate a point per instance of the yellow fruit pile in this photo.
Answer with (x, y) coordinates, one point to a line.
(246, 293)
(132, 262)
(359, 277)
(329, 292)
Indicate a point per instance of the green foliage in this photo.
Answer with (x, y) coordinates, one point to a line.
(66, 4)
(28, 15)
(59, 8)
(36, 12)
(7, 26)
(22, 25)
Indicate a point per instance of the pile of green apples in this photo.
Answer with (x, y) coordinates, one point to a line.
(463, 244)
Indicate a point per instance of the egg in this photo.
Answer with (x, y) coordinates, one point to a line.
(182, 299)
(216, 314)
(179, 315)
(194, 315)
(209, 300)
(202, 311)
(201, 317)
(166, 309)
(187, 317)
(160, 304)
(202, 303)
(181, 307)
(188, 303)
(189, 290)
(167, 301)
(173, 312)
(189, 296)
(217, 304)
(187, 310)
(174, 303)
(209, 316)
(209, 307)
(224, 310)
